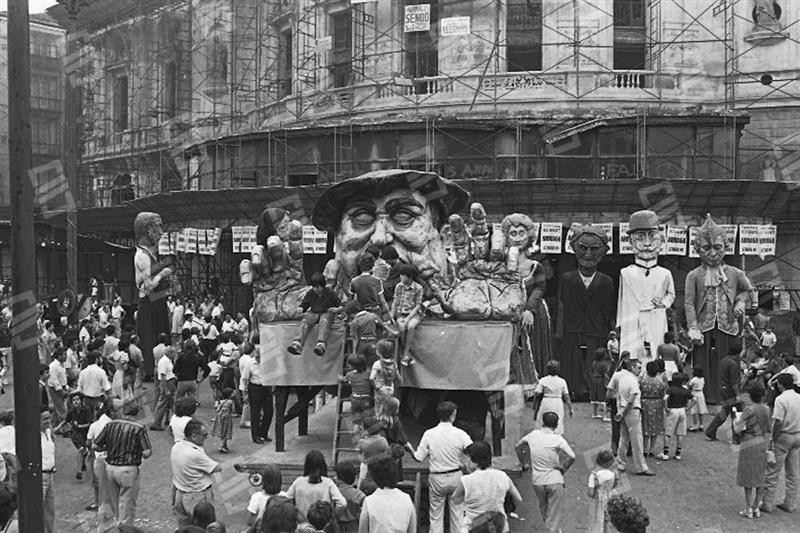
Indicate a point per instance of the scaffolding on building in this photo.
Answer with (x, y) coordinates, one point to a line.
(222, 72)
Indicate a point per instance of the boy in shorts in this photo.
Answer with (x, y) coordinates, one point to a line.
(678, 397)
(407, 309)
(319, 305)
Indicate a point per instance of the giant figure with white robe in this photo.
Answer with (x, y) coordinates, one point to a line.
(646, 290)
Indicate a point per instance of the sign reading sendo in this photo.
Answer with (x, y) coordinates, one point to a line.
(417, 18)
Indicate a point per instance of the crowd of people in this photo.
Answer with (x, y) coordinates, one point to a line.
(92, 391)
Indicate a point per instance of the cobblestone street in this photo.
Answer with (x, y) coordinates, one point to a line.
(697, 494)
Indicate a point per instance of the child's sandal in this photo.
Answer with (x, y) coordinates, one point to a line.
(746, 513)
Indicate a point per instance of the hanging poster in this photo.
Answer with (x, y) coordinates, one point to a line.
(768, 236)
(749, 239)
(454, 26)
(732, 231)
(236, 238)
(608, 227)
(570, 232)
(181, 243)
(191, 240)
(314, 240)
(173, 242)
(676, 240)
(551, 237)
(163, 244)
(692, 237)
(624, 239)
(212, 240)
(417, 18)
(249, 239)
(201, 242)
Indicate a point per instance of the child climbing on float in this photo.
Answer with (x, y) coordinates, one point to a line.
(319, 305)
(407, 309)
(385, 376)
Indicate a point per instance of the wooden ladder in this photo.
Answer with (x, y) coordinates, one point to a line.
(339, 429)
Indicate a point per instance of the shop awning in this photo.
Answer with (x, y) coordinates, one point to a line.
(734, 200)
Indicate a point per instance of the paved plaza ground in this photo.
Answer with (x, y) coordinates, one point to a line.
(697, 494)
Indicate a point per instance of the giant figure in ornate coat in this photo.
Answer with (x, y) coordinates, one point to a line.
(645, 291)
(585, 308)
(715, 299)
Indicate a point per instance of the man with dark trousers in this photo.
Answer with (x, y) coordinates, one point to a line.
(260, 397)
(730, 372)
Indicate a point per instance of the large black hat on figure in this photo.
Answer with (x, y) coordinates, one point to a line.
(444, 195)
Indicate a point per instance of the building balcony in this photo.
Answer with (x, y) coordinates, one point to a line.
(127, 142)
(510, 92)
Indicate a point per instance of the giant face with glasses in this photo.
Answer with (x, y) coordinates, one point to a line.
(403, 209)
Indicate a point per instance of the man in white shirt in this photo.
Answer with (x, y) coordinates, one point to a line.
(229, 324)
(629, 415)
(72, 363)
(260, 398)
(8, 434)
(57, 388)
(167, 385)
(445, 448)
(785, 443)
(244, 361)
(93, 382)
(111, 341)
(192, 472)
(549, 457)
(243, 325)
(97, 463)
(48, 469)
(158, 351)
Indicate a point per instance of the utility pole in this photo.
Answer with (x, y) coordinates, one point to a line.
(24, 335)
(71, 156)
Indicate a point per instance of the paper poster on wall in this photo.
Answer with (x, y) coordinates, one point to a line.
(570, 232)
(249, 239)
(768, 237)
(749, 239)
(692, 237)
(314, 240)
(212, 240)
(191, 240)
(236, 238)
(732, 230)
(454, 26)
(676, 240)
(624, 239)
(181, 242)
(417, 18)
(202, 248)
(608, 227)
(163, 244)
(551, 237)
